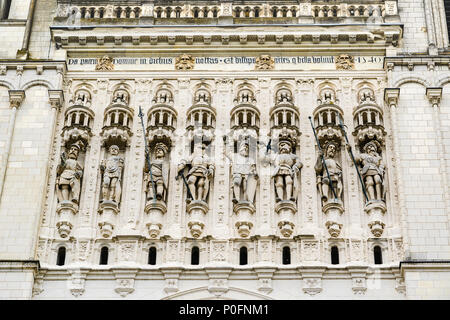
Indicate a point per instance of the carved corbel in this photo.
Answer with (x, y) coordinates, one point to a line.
(124, 281)
(171, 276)
(56, 98)
(312, 280)
(391, 96)
(16, 98)
(218, 280)
(77, 281)
(434, 95)
(38, 286)
(265, 276)
(359, 281)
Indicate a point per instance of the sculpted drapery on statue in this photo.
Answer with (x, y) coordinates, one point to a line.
(159, 174)
(334, 172)
(286, 171)
(244, 173)
(111, 169)
(201, 171)
(69, 173)
(373, 170)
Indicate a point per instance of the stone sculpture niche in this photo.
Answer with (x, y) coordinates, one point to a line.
(111, 169)
(244, 135)
(76, 134)
(369, 136)
(69, 173)
(161, 124)
(327, 117)
(116, 135)
(285, 163)
(156, 182)
(372, 168)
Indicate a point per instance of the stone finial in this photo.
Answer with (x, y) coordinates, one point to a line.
(16, 97)
(434, 95)
(56, 98)
(391, 96)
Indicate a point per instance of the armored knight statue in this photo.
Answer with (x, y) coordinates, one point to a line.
(111, 169)
(372, 170)
(159, 174)
(244, 175)
(334, 173)
(286, 171)
(69, 173)
(201, 171)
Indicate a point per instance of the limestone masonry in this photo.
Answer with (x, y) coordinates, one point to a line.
(284, 149)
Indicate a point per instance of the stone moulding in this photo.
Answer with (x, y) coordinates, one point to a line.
(363, 37)
(358, 277)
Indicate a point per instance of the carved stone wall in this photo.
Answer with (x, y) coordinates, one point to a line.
(257, 83)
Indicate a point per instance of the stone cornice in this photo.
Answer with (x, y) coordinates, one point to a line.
(230, 272)
(20, 265)
(219, 37)
(422, 265)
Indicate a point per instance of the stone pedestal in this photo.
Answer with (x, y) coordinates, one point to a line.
(333, 210)
(376, 210)
(244, 211)
(286, 210)
(155, 211)
(108, 211)
(196, 210)
(66, 210)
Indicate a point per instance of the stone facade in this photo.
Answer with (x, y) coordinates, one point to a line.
(149, 151)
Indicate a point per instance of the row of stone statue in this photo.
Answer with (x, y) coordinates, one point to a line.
(198, 169)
